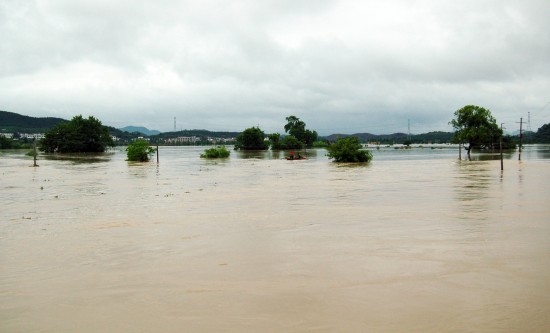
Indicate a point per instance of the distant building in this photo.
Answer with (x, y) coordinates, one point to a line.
(183, 139)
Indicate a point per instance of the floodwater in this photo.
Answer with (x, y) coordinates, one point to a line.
(415, 241)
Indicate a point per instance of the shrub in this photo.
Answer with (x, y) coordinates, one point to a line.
(218, 152)
(348, 150)
(139, 150)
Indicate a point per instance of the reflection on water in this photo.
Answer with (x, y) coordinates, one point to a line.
(413, 241)
(80, 158)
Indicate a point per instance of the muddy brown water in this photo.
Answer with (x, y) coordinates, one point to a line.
(415, 241)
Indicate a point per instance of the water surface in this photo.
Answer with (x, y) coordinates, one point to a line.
(415, 241)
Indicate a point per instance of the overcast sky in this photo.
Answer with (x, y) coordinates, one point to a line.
(340, 66)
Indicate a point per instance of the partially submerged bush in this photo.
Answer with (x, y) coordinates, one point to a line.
(218, 152)
(139, 150)
(348, 150)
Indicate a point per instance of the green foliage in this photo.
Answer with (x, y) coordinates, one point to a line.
(476, 126)
(5, 143)
(507, 143)
(275, 141)
(297, 129)
(252, 138)
(77, 136)
(543, 134)
(320, 144)
(291, 142)
(288, 142)
(348, 150)
(139, 150)
(217, 152)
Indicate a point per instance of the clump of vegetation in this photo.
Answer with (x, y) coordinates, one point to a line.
(77, 136)
(288, 142)
(252, 138)
(139, 150)
(348, 150)
(320, 144)
(8, 143)
(543, 134)
(297, 128)
(217, 152)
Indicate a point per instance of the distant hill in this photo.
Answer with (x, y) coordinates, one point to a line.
(139, 129)
(11, 122)
(431, 137)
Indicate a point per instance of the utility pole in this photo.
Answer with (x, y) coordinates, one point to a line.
(520, 136)
(34, 153)
(501, 162)
(409, 128)
(174, 124)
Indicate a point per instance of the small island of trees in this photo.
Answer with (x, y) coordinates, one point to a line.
(77, 136)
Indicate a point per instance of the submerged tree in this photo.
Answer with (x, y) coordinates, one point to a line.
(139, 151)
(216, 152)
(475, 126)
(348, 150)
(77, 136)
(252, 138)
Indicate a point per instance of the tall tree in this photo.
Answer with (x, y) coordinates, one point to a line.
(297, 128)
(77, 136)
(476, 127)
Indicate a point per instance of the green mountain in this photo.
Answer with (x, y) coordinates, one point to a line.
(139, 129)
(11, 122)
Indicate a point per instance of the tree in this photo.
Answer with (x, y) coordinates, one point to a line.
(275, 140)
(297, 128)
(543, 134)
(475, 126)
(348, 150)
(252, 138)
(77, 136)
(288, 142)
(139, 151)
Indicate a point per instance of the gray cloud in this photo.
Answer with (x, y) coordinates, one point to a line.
(341, 66)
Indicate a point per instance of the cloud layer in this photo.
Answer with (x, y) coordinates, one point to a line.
(341, 66)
